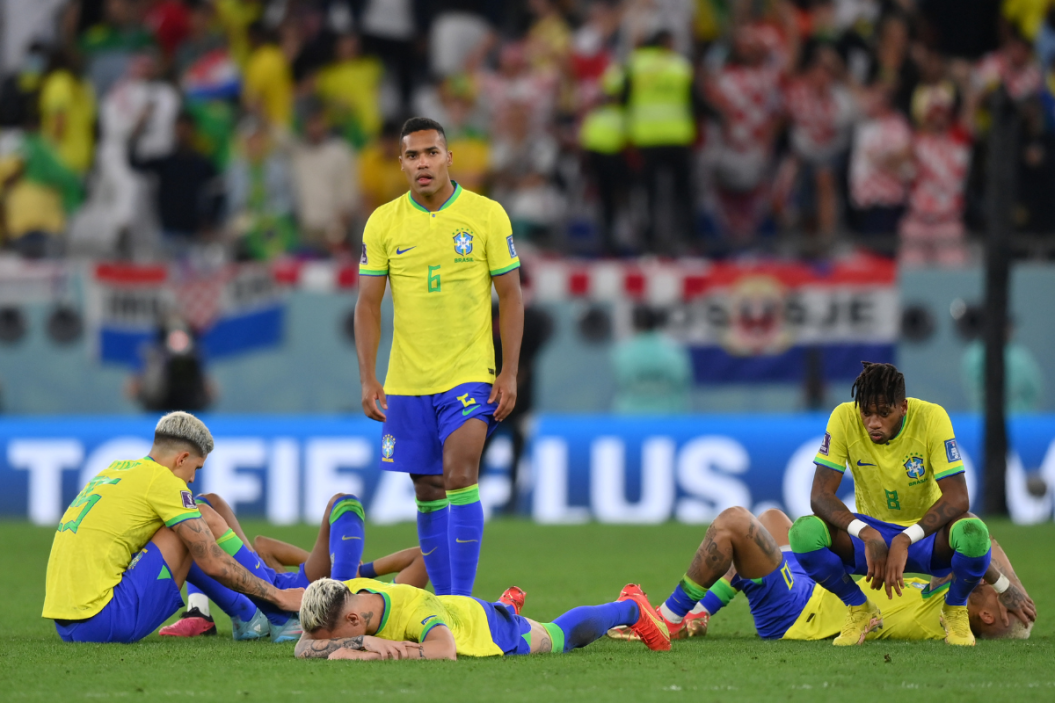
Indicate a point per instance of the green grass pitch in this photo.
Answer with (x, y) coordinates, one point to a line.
(559, 567)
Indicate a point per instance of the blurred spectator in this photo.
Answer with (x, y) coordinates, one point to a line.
(549, 37)
(67, 112)
(653, 374)
(237, 17)
(110, 45)
(932, 230)
(660, 100)
(186, 191)
(892, 65)
(169, 20)
(379, 163)
(880, 164)
(173, 375)
(389, 29)
(467, 138)
(350, 88)
(201, 40)
(1034, 205)
(1023, 378)
(325, 178)
(515, 84)
(522, 164)
(603, 140)
(267, 90)
(37, 191)
(259, 192)
(1011, 66)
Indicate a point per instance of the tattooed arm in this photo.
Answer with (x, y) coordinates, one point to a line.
(1015, 598)
(215, 562)
(308, 648)
(826, 505)
(952, 504)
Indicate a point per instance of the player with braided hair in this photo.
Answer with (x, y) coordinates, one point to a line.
(912, 504)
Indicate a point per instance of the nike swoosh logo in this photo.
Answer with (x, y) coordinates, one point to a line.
(465, 541)
(344, 538)
(404, 251)
(860, 463)
(469, 410)
(425, 554)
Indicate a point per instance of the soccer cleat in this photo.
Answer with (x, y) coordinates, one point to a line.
(649, 626)
(860, 620)
(676, 630)
(257, 627)
(622, 633)
(191, 623)
(957, 625)
(694, 625)
(290, 632)
(514, 598)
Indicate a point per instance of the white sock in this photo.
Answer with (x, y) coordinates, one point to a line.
(199, 601)
(669, 614)
(699, 609)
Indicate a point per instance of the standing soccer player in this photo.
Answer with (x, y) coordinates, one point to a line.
(441, 247)
(910, 491)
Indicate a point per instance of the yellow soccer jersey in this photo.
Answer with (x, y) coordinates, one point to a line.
(914, 615)
(110, 520)
(410, 613)
(439, 265)
(894, 482)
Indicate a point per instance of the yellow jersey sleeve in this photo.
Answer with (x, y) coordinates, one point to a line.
(501, 252)
(170, 499)
(427, 614)
(374, 259)
(834, 449)
(944, 454)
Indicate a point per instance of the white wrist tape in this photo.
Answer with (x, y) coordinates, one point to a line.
(914, 533)
(855, 527)
(1002, 584)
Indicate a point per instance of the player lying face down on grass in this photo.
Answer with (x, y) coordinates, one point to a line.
(128, 541)
(367, 619)
(911, 500)
(743, 553)
(338, 549)
(441, 249)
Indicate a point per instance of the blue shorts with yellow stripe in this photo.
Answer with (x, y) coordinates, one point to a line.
(509, 631)
(417, 426)
(778, 599)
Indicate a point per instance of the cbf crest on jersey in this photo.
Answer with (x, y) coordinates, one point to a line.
(914, 467)
(388, 447)
(463, 243)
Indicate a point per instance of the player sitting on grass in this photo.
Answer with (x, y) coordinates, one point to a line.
(912, 501)
(744, 553)
(129, 539)
(367, 619)
(407, 564)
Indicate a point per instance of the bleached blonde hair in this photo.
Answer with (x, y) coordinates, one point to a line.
(322, 604)
(184, 427)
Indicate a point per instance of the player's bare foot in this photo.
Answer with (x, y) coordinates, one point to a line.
(860, 620)
(649, 626)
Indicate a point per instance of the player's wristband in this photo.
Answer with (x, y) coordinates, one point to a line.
(914, 533)
(1002, 584)
(855, 527)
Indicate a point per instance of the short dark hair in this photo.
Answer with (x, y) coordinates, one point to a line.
(878, 383)
(421, 124)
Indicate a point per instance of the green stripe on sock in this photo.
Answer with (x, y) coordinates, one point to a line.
(464, 496)
(723, 590)
(346, 505)
(556, 635)
(230, 543)
(692, 589)
(432, 506)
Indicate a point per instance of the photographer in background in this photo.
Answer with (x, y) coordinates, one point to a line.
(173, 374)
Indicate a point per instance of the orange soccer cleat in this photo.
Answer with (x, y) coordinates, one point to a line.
(514, 597)
(649, 626)
(191, 624)
(695, 624)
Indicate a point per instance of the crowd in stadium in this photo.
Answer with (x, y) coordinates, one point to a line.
(253, 129)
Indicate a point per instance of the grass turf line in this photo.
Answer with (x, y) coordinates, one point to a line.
(559, 567)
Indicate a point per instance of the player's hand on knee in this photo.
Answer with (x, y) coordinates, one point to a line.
(374, 395)
(386, 648)
(875, 556)
(896, 560)
(505, 392)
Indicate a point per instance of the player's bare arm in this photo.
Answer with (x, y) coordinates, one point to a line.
(1015, 598)
(830, 508)
(214, 561)
(511, 329)
(367, 339)
(950, 507)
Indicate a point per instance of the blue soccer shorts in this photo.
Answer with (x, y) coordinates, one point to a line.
(418, 425)
(778, 599)
(509, 631)
(146, 596)
(921, 558)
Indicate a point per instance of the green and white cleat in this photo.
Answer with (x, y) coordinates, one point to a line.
(290, 632)
(256, 628)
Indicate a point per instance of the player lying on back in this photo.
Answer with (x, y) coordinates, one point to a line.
(367, 619)
(743, 553)
(912, 504)
(133, 535)
(276, 556)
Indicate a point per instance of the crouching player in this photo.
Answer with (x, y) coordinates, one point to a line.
(367, 619)
(743, 553)
(341, 539)
(130, 538)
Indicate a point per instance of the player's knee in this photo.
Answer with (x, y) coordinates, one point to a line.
(206, 499)
(217, 525)
(460, 478)
(732, 517)
(429, 488)
(808, 534)
(970, 537)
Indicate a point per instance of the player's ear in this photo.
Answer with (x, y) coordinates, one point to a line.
(987, 617)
